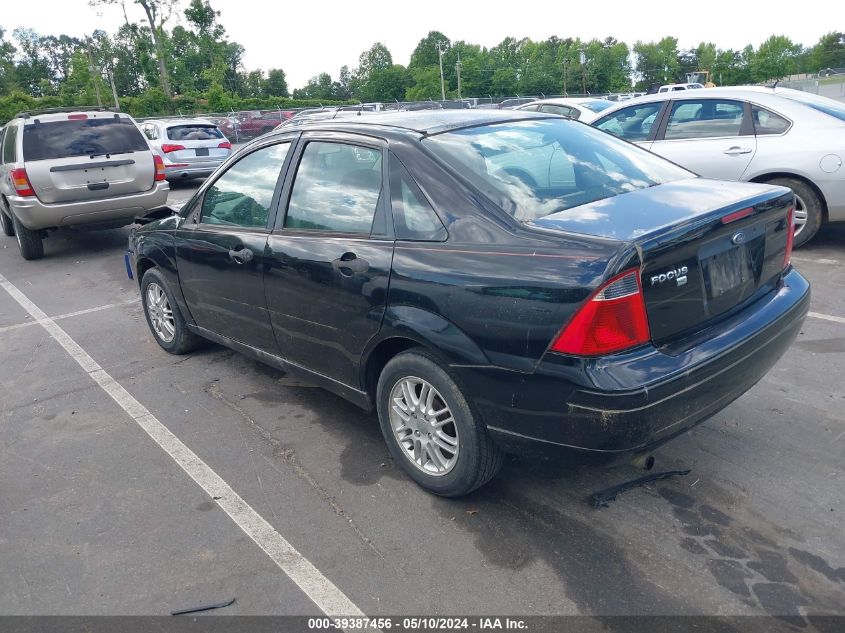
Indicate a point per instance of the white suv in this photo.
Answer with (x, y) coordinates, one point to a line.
(70, 168)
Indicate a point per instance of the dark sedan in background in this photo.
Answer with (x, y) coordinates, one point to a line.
(483, 280)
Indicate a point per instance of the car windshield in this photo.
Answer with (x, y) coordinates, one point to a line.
(597, 105)
(822, 104)
(193, 133)
(535, 168)
(78, 137)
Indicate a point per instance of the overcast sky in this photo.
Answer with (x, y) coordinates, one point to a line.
(306, 37)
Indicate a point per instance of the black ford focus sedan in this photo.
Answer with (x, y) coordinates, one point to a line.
(483, 280)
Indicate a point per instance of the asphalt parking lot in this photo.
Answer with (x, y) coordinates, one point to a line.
(99, 519)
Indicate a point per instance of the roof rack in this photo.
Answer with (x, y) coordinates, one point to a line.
(30, 113)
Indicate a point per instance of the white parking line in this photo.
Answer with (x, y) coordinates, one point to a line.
(826, 317)
(331, 600)
(68, 315)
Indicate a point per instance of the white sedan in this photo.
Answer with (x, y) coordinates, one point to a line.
(581, 109)
(753, 134)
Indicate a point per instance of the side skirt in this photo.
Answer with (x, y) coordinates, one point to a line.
(355, 396)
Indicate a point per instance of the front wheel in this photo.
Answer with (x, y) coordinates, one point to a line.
(430, 429)
(166, 322)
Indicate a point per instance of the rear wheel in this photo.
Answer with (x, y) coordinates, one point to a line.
(29, 242)
(429, 428)
(808, 208)
(6, 223)
(166, 322)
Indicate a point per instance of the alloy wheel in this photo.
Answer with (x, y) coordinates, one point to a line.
(423, 426)
(799, 215)
(160, 313)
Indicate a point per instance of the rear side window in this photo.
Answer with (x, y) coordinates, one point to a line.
(633, 123)
(830, 107)
(414, 218)
(193, 133)
(767, 122)
(337, 189)
(68, 139)
(706, 118)
(9, 141)
(559, 110)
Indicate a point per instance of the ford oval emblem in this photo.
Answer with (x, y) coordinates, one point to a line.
(738, 238)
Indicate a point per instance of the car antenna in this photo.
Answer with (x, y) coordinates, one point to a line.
(777, 81)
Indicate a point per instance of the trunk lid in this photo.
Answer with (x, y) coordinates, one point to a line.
(706, 247)
(200, 141)
(102, 155)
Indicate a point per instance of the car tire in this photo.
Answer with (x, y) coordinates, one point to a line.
(30, 242)
(166, 322)
(6, 223)
(406, 415)
(807, 202)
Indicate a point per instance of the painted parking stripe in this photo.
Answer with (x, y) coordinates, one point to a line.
(826, 317)
(331, 600)
(813, 260)
(68, 315)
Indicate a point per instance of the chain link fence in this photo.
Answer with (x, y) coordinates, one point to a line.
(831, 85)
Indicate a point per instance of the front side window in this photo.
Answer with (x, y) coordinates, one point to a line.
(767, 122)
(80, 137)
(337, 188)
(242, 196)
(633, 123)
(535, 168)
(704, 118)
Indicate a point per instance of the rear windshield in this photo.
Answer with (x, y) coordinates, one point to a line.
(535, 168)
(596, 106)
(822, 104)
(193, 133)
(66, 139)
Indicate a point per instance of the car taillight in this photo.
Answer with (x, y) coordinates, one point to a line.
(168, 147)
(159, 168)
(21, 183)
(790, 236)
(613, 319)
(225, 145)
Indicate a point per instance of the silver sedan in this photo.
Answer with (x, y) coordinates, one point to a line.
(190, 148)
(584, 109)
(755, 134)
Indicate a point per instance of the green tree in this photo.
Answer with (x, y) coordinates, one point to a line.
(426, 55)
(425, 84)
(829, 52)
(775, 58)
(276, 84)
(657, 62)
(8, 80)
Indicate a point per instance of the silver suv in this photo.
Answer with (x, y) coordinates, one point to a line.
(72, 168)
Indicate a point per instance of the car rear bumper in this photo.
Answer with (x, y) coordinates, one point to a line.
(192, 170)
(35, 214)
(633, 402)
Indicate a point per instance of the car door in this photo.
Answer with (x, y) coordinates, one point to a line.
(635, 123)
(221, 246)
(712, 137)
(330, 255)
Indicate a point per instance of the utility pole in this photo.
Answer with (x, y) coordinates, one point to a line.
(583, 59)
(458, 66)
(94, 72)
(565, 62)
(114, 90)
(442, 84)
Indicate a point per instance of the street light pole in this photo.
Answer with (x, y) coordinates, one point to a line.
(565, 62)
(458, 66)
(442, 84)
(583, 59)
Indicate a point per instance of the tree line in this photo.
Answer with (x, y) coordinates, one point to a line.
(161, 65)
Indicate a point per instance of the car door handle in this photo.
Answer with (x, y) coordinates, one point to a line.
(736, 151)
(350, 262)
(241, 256)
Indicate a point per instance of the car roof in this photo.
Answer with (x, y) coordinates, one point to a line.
(175, 122)
(565, 101)
(425, 122)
